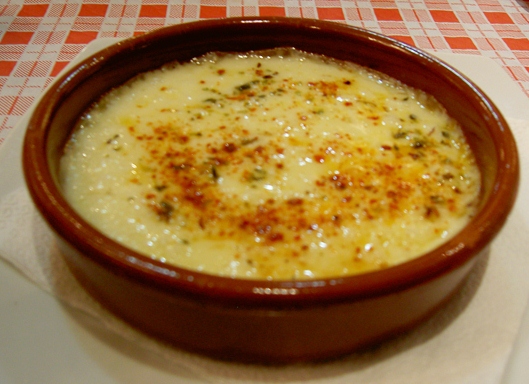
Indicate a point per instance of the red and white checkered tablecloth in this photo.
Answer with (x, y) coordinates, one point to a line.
(38, 38)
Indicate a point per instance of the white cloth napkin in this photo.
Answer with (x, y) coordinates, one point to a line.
(468, 341)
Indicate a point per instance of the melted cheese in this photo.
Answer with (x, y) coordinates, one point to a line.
(276, 166)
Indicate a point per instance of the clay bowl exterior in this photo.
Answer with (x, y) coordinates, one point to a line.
(267, 321)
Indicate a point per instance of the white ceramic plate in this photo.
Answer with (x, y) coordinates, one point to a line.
(42, 341)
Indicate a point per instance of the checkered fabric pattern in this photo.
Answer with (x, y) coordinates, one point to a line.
(39, 38)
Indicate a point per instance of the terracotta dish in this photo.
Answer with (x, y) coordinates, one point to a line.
(268, 321)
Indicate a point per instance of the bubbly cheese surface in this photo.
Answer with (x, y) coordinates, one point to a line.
(274, 165)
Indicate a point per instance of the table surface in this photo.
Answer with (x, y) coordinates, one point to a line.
(38, 38)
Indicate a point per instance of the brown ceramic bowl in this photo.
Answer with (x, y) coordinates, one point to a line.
(267, 321)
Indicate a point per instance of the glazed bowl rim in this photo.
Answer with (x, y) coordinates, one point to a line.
(76, 231)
